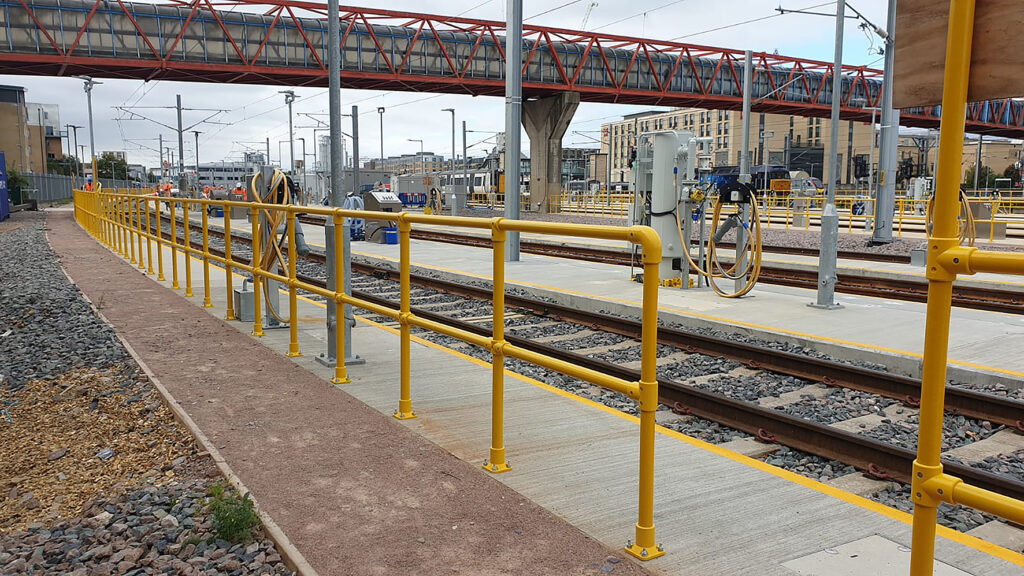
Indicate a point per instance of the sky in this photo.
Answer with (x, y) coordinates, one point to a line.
(254, 113)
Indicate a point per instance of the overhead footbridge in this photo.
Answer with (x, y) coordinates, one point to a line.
(284, 42)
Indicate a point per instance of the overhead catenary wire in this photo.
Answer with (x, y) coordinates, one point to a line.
(550, 10)
(642, 13)
(736, 24)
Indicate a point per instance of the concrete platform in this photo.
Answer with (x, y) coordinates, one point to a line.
(882, 331)
(716, 511)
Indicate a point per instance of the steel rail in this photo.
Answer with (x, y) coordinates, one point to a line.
(960, 401)
(988, 299)
(877, 458)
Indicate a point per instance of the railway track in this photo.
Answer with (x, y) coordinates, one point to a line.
(880, 459)
(988, 299)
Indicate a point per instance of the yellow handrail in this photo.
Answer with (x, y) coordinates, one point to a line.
(100, 212)
(946, 259)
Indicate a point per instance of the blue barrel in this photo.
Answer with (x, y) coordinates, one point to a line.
(219, 213)
(391, 235)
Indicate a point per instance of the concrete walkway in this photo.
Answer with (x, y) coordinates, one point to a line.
(356, 491)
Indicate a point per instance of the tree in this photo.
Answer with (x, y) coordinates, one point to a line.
(67, 165)
(986, 179)
(17, 181)
(1013, 173)
(109, 165)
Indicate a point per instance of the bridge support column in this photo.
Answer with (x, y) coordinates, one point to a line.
(545, 121)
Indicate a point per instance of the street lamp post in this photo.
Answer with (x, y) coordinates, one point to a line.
(289, 97)
(422, 169)
(74, 150)
(452, 180)
(380, 110)
(89, 83)
(197, 133)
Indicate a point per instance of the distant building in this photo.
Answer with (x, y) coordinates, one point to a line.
(411, 163)
(793, 141)
(224, 174)
(31, 133)
(137, 172)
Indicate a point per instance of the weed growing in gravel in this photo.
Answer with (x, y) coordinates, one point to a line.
(234, 519)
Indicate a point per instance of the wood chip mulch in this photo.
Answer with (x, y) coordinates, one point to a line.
(51, 446)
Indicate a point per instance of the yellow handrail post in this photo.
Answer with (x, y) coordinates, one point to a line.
(101, 208)
(340, 369)
(405, 410)
(118, 217)
(138, 228)
(293, 306)
(129, 218)
(497, 463)
(646, 547)
(943, 237)
(159, 241)
(230, 313)
(186, 234)
(123, 227)
(174, 246)
(257, 320)
(207, 303)
(149, 238)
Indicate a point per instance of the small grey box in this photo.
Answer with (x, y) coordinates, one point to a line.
(919, 257)
(244, 304)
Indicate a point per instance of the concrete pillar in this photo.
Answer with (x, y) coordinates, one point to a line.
(545, 121)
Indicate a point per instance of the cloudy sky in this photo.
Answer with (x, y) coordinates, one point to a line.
(256, 112)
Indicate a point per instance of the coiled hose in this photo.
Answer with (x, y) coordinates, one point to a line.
(272, 245)
(751, 251)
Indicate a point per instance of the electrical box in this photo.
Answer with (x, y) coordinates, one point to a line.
(380, 201)
(244, 303)
(734, 195)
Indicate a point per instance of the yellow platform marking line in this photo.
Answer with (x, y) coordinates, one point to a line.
(709, 317)
(848, 497)
(866, 503)
(895, 272)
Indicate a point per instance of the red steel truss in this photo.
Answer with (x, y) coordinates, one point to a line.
(787, 85)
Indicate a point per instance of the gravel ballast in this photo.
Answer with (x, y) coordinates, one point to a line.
(96, 475)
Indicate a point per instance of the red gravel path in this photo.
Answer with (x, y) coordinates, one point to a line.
(354, 490)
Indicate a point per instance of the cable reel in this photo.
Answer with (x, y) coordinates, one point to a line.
(280, 190)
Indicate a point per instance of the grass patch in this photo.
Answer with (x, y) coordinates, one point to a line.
(234, 518)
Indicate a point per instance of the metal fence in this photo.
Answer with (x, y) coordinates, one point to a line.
(47, 188)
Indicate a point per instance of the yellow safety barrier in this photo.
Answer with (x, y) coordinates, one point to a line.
(946, 259)
(103, 216)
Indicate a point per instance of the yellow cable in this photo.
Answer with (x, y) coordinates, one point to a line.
(753, 245)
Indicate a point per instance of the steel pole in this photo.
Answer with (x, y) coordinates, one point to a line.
(355, 149)
(871, 158)
(380, 110)
(92, 133)
(461, 202)
(513, 119)
(42, 136)
(161, 139)
(182, 181)
(741, 232)
(830, 218)
(74, 151)
(197, 133)
(977, 165)
(889, 135)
